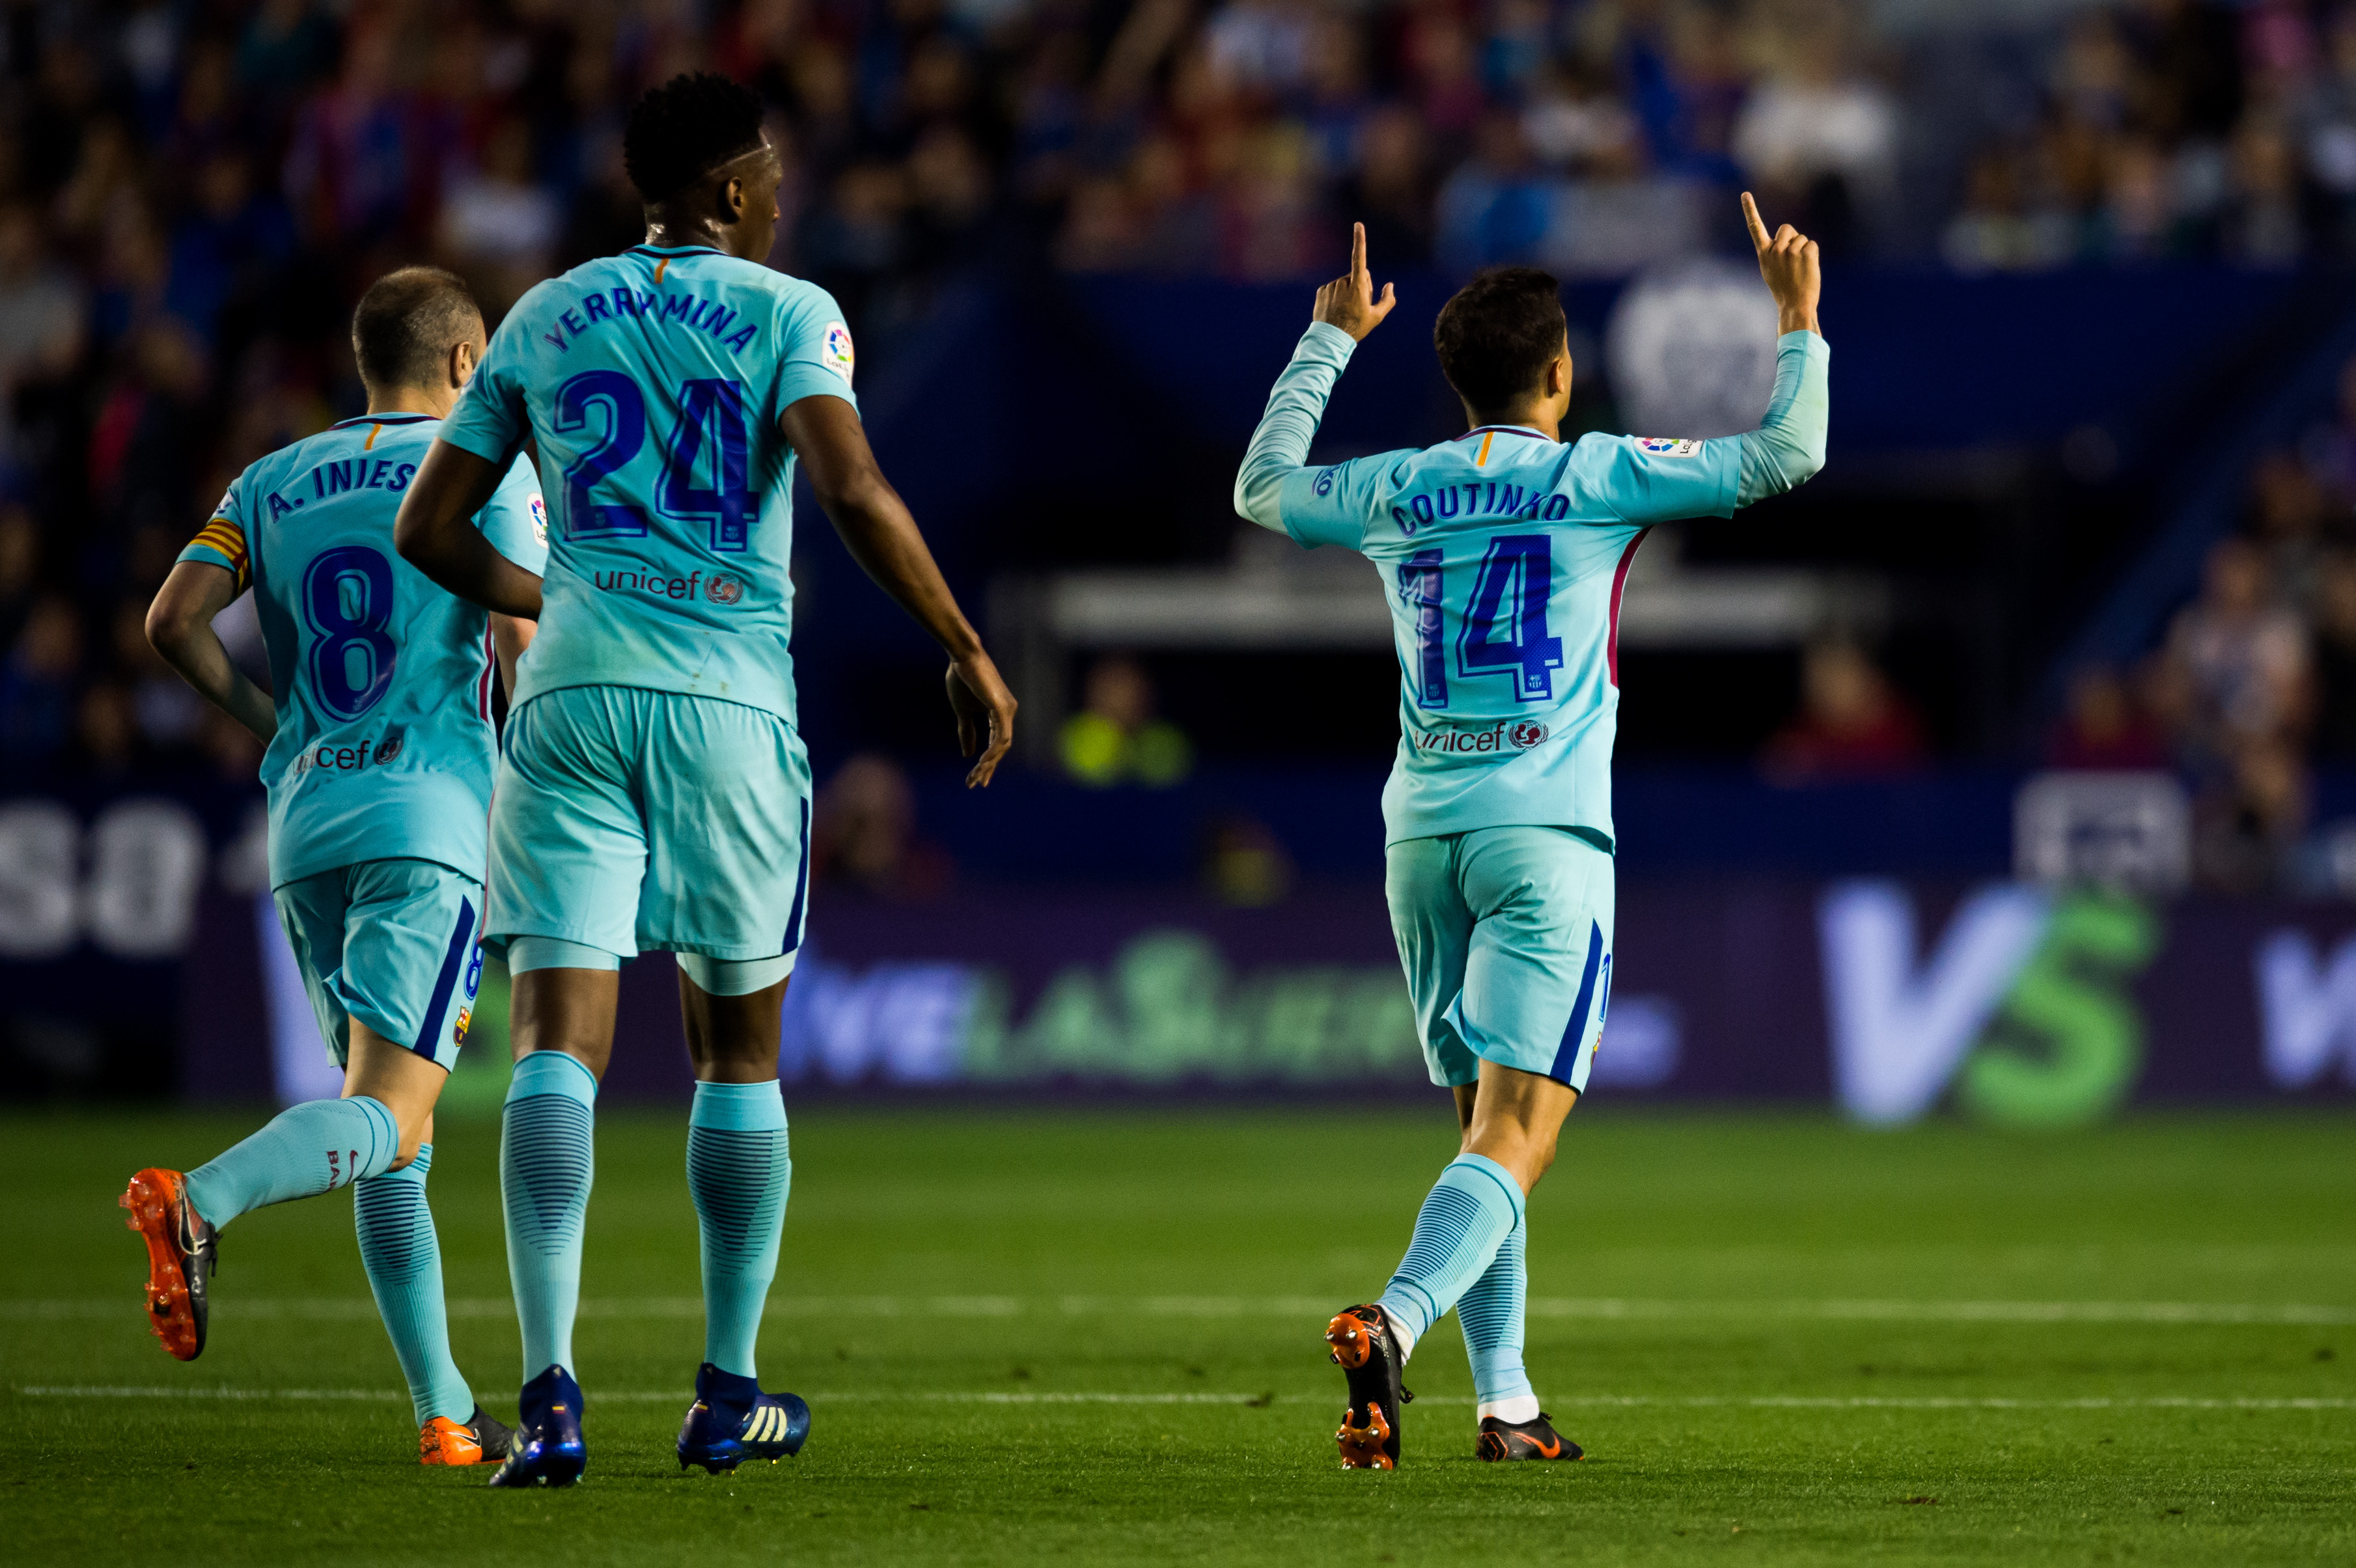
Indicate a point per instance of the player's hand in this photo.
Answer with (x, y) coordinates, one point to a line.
(985, 714)
(1787, 259)
(1349, 301)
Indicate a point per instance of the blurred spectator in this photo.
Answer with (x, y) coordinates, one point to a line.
(1852, 722)
(20, 567)
(2247, 826)
(165, 712)
(1244, 865)
(2105, 727)
(498, 227)
(37, 683)
(106, 735)
(863, 833)
(1115, 738)
(1821, 141)
(2238, 661)
(2335, 658)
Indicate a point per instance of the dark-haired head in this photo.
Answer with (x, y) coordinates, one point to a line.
(1497, 340)
(407, 328)
(684, 148)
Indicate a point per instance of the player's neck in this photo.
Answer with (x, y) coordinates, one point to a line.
(410, 400)
(1541, 419)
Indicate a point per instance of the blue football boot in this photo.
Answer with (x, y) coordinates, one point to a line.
(733, 1420)
(548, 1450)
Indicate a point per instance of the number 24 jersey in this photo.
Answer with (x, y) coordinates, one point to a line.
(1502, 554)
(651, 383)
(382, 681)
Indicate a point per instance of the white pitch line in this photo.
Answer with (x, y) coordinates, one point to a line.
(1587, 1308)
(1696, 1402)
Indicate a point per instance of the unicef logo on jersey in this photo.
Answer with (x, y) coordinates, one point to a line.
(1525, 734)
(387, 749)
(723, 589)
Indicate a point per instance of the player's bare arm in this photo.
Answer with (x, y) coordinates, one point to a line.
(1794, 274)
(1349, 301)
(436, 533)
(510, 635)
(883, 538)
(180, 625)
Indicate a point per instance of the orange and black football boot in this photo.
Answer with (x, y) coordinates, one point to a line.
(1502, 1441)
(477, 1441)
(1361, 1343)
(182, 1252)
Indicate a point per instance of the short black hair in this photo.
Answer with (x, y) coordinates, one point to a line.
(407, 323)
(1497, 337)
(685, 129)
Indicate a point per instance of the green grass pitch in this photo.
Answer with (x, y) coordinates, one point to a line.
(1090, 1335)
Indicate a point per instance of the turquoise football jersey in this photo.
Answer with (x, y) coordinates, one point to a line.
(651, 383)
(1502, 554)
(382, 681)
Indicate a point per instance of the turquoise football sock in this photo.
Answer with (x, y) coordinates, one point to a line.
(1474, 1207)
(1490, 1313)
(403, 1259)
(739, 1172)
(303, 1151)
(547, 1161)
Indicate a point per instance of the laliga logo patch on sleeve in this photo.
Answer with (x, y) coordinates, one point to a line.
(539, 519)
(838, 351)
(1668, 447)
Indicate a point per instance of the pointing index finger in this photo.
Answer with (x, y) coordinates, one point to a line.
(1358, 251)
(1750, 219)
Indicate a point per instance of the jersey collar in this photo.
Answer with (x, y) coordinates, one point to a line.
(381, 419)
(1503, 430)
(673, 251)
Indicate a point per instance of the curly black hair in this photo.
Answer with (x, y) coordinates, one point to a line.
(1497, 337)
(686, 128)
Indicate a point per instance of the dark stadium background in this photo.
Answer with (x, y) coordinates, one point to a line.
(2087, 514)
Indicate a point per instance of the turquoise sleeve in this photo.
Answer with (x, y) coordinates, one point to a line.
(491, 419)
(815, 357)
(1788, 447)
(1263, 493)
(515, 521)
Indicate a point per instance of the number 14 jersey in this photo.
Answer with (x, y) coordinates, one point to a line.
(382, 680)
(651, 383)
(1504, 554)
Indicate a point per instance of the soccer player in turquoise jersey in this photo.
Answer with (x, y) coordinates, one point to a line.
(1503, 553)
(654, 792)
(379, 774)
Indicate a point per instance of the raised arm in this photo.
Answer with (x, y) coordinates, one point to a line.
(1788, 447)
(883, 538)
(180, 625)
(436, 533)
(1347, 311)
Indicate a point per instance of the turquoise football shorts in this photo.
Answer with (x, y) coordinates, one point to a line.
(625, 819)
(1506, 934)
(391, 944)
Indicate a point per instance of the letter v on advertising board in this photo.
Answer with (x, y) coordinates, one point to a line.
(1899, 1032)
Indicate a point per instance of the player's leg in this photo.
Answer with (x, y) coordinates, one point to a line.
(1433, 928)
(727, 793)
(303, 1151)
(567, 852)
(412, 968)
(739, 1173)
(1538, 985)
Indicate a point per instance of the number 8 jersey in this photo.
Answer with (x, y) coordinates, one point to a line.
(382, 680)
(651, 383)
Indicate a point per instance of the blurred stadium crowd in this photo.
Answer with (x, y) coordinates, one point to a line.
(192, 191)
